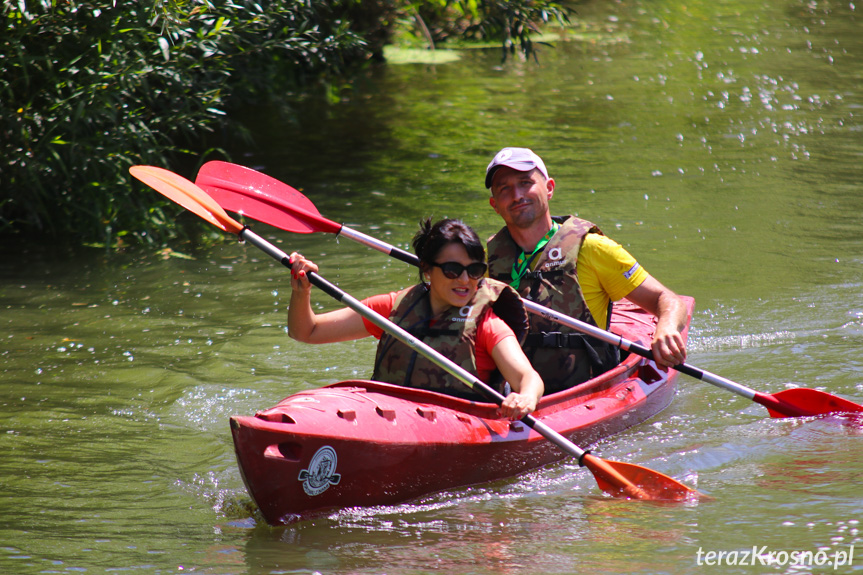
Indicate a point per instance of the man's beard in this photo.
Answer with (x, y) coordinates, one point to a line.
(524, 217)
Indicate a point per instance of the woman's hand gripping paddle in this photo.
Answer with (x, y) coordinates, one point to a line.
(263, 198)
(616, 478)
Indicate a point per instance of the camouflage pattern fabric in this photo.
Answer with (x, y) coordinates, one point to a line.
(452, 334)
(562, 356)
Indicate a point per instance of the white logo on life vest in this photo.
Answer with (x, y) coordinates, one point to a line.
(555, 254)
(465, 312)
(321, 472)
(552, 265)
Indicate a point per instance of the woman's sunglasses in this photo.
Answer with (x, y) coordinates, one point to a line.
(453, 270)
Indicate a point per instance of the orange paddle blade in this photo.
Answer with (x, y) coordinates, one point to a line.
(636, 482)
(180, 190)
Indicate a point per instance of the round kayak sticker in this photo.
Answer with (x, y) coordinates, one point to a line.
(321, 472)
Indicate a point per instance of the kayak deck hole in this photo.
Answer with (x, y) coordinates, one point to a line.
(427, 413)
(649, 374)
(347, 414)
(288, 451)
(388, 414)
(275, 417)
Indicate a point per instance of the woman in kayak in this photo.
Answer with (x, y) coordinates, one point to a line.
(476, 322)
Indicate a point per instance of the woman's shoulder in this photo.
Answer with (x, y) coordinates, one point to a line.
(492, 329)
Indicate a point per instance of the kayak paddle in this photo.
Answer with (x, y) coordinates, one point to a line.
(266, 199)
(613, 477)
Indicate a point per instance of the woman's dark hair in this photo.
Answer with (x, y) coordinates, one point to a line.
(432, 238)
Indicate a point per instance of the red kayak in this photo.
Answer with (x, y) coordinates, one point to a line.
(364, 443)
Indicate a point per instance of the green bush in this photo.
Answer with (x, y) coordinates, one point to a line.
(512, 22)
(88, 89)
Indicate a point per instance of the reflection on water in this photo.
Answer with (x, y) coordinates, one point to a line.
(719, 142)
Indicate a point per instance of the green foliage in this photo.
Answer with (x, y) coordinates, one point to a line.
(88, 89)
(511, 22)
(515, 21)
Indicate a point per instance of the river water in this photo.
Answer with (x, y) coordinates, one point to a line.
(719, 141)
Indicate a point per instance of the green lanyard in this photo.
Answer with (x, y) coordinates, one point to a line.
(522, 264)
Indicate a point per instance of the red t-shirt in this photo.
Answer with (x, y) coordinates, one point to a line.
(490, 331)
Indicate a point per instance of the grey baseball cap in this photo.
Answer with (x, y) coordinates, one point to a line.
(521, 159)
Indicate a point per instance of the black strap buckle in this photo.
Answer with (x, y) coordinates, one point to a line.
(554, 339)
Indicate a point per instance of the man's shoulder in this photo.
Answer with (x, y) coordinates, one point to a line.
(598, 241)
(499, 236)
(571, 221)
(599, 251)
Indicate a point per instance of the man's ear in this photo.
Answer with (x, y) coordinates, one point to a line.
(492, 203)
(549, 184)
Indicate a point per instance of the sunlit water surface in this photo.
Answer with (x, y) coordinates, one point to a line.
(719, 141)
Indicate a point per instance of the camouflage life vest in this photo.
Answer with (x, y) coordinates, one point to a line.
(453, 334)
(562, 356)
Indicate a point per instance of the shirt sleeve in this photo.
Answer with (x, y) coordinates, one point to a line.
(491, 331)
(382, 304)
(606, 271)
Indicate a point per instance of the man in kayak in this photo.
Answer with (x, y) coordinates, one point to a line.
(476, 322)
(568, 265)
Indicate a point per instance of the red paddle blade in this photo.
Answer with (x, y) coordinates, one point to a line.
(180, 190)
(260, 197)
(636, 482)
(803, 401)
